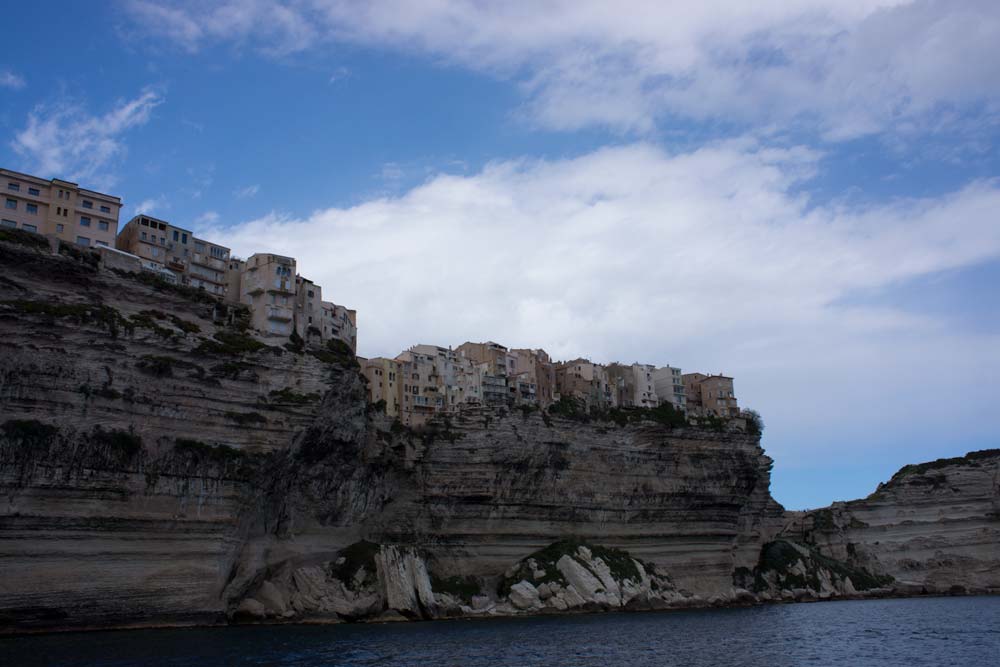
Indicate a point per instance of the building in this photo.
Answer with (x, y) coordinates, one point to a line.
(164, 247)
(267, 286)
(421, 396)
(59, 209)
(498, 365)
(383, 383)
(669, 384)
(586, 382)
(634, 385)
(532, 379)
(710, 395)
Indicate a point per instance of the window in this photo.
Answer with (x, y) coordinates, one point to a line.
(102, 243)
(59, 228)
(177, 236)
(105, 209)
(34, 191)
(14, 187)
(184, 239)
(163, 240)
(65, 212)
(103, 226)
(32, 208)
(8, 223)
(199, 246)
(12, 204)
(29, 228)
(84, 221)
(142, 236)
(156, 252)
(58, 210)
(310, 293)
(88, 204)
(83, 240)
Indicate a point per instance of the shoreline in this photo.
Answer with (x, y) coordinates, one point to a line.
(32, 632)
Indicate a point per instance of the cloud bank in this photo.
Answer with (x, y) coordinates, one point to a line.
(710, 260)
(846, 68)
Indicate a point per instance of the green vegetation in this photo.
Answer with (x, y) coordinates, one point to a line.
(21, 237)
(972, 458)
(781, 556)
(619, 562)
(230, 369)
(200, 452)
(230, 343)
(84, 256)
(288, 395)
(125, 444)
(29, 432)
(460, 587)
(246, 418)
(146, 322)
(356, 556)
(159, 284)
(755, 423)
(105, 317)
(295, 343)
(336, 352)
(572, 408)
(162, 366)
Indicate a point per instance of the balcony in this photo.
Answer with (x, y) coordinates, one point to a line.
(280, 314)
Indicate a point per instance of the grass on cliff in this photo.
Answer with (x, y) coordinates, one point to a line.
(462, 588)
(619, 562)
(105, 317)
(972, 458)
(289, 395)
(575, 409)
(29, 432)
(780, 556)
(336, 352)
(231, 343)
(21, 237)
(159, 284)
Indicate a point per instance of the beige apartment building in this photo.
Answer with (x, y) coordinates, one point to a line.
(668, 382)
(499, 365)
(176, 253)
(710, 395)
(634, 385)
(267, 285)
(421, 396)
(59, 209)
(587, 382)
(383, 383)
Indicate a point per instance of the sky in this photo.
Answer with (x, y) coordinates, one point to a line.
(803, 194)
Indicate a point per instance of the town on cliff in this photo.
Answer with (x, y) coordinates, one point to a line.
(413, 386)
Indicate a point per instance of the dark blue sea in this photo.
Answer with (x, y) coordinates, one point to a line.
(929, 631)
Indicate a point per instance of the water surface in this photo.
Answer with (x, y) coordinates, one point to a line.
(929, 631)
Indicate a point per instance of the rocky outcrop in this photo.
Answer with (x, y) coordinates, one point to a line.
(933, 528)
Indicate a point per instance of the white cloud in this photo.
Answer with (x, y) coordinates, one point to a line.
(709, 260)
(247, 192)
(845, 67)
(151, 205)
(206, 219)
(9, 79)
(64, 140)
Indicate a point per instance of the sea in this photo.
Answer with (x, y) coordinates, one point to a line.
(960, 631)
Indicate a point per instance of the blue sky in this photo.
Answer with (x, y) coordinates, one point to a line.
(800, 194)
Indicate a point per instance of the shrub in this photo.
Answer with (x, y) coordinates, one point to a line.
(230, 343)
(288, 395)
(21, 237)
(755, 424)
(246, 418)
(460, 587)
(103, 316)
(336, 352)
(353, 558)
(123, 443)
(29, 432)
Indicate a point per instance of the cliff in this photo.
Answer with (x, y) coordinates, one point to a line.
(933, 528)
(159, 464)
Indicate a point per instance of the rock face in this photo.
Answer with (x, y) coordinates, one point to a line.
(159, 465)
(934, 527)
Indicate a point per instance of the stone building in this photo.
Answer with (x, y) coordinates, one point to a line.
(421, 396)
(587, 382)
(634, 384)
(59, 209)
(383, 382)
(167, 248)
(267, 286)
(710, 395)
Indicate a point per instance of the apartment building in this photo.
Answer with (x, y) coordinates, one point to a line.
(668, 382)
(59, 209)
(267, 286)
(710, 395)
(634, 385)
(176, 253)
(421, 396)
(532, 379)
(499, 364)
(383, 383)
(587, 382)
